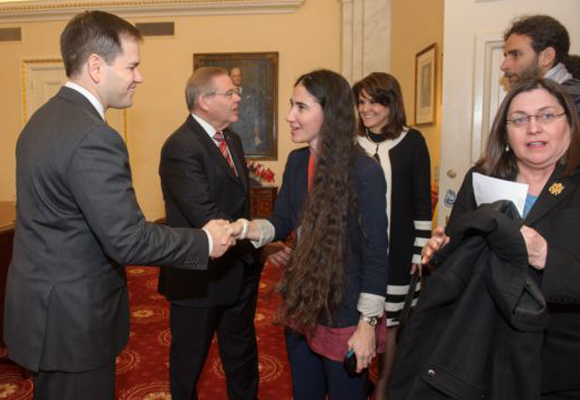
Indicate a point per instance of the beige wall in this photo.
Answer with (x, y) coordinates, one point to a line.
(34, 45)
(305, 40)
(415, 25)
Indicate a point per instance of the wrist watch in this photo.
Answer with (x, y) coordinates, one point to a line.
(372, 321)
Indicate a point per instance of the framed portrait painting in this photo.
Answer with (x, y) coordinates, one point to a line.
(256, 76)
(425, 85)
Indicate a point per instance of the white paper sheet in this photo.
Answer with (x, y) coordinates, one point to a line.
(488, 190)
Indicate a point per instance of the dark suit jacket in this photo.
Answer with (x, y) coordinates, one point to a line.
(198, 186)
(367, 267)
(78, 224)
(556, 216)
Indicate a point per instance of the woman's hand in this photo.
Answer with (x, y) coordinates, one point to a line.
(416, 268)
(363, 342)
(281, 257)
(537, 247)
(437, 241)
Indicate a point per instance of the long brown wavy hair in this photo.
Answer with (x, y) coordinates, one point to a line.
(312, 283)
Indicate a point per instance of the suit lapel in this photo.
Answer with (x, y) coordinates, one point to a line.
(557, 189)
(212, 149)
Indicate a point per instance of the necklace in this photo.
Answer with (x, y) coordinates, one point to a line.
(376, 138)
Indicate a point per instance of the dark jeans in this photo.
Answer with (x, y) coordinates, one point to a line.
(315, 376)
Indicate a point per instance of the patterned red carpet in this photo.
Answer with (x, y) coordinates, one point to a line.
(142, 368)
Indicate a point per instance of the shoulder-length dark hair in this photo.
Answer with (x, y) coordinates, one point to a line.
(498, 162)
(312, 284)
(384, 89)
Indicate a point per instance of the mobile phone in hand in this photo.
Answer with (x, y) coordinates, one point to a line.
(350, 363)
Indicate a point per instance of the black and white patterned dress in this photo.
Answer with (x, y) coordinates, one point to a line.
(405, 162)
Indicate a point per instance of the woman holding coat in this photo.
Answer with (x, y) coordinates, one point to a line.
(535, 140)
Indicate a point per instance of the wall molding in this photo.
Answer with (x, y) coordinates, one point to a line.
(488, 88)
(25, 11)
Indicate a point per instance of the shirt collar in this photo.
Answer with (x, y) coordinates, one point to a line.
(558, 73)
(210, 130)
(89, 96)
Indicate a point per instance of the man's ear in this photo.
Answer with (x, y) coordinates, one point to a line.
(202, 102)
(547, 58)
(95, 67)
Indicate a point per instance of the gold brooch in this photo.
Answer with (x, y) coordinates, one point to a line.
(556, 188)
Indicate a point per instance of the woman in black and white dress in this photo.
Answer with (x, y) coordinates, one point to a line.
(404, 158)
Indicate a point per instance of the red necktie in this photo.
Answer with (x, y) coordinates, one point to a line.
(219, 138)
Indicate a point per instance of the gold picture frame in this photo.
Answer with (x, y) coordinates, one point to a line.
(257, 124)
(426, 85)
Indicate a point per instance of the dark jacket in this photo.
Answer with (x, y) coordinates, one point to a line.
(477, 331)
(366, 271)
(556, 216)
(199, 185)
(78, 224)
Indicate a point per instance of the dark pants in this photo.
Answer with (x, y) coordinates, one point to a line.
(98, 384)
(192, 330)
(315, 376)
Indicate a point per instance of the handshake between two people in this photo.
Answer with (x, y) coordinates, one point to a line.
(261, 232)
(225, 234)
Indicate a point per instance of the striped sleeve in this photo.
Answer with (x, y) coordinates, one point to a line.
(421, 198)
(422, 234)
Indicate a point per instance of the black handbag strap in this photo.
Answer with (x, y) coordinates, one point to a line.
(409, 298)
(407, 305)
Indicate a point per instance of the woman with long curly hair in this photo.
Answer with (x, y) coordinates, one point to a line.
(333, 287)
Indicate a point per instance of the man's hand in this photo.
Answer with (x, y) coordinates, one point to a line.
(237, 229)
(222, 236)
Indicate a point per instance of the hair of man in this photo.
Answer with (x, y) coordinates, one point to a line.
(200, 83)
(544, 31)
(573, 65)
(94, 32)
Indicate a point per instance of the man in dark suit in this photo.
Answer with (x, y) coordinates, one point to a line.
(78, 222)
(203, 177)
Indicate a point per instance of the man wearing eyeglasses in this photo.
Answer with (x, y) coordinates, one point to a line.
(537, 46)
(204, 175)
